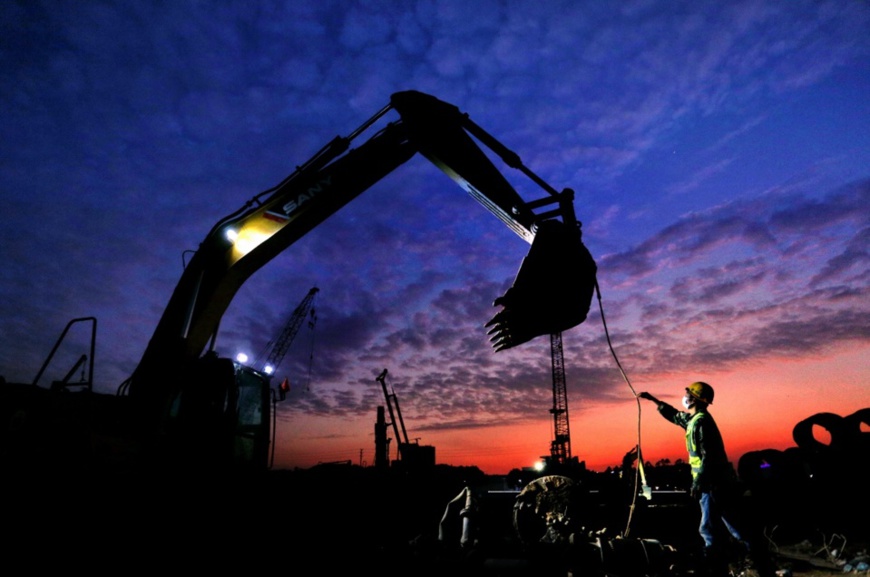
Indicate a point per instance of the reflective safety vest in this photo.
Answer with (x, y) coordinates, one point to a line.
(691, 447)
(707, 458)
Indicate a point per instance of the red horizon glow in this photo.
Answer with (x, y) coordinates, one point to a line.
(756, 408)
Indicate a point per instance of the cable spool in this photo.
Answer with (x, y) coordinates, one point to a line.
(805, 438)
(550, 509)
(761, 469)
(857, 429)
(857, 438)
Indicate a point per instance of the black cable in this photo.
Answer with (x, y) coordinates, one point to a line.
(637, 399)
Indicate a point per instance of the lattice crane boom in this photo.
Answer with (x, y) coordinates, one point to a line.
(285, 339)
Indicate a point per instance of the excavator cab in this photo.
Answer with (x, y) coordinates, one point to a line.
(251, 438)
(220, 418)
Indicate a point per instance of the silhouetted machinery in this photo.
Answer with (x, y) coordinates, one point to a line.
(282, 343)
(186, 407)
(410, 455)
(550, 517)
(551, 536)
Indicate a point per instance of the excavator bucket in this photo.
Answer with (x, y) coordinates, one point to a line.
(552, 291)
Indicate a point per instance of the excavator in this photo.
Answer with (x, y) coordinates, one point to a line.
(184, 407)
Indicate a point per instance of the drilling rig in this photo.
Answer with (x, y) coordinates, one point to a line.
(411, 455)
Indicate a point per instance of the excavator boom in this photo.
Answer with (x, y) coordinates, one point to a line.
(243, 242)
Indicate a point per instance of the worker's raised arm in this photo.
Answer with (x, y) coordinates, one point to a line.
(648, 397)
(667, 411)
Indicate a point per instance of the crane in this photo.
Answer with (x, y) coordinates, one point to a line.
(560, 447)
(285, 339)
(395, 412)
(411, 455)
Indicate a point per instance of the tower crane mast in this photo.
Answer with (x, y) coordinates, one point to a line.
(560, 447)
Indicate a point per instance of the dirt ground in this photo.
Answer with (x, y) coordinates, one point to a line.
(820, 559)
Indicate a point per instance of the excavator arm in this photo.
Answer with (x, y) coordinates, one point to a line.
(552, 292)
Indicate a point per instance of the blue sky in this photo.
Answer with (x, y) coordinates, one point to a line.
(719, 151)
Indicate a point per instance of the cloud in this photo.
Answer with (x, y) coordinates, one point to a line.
(854, 257)
(805, 215)
(699, 177)
(814, 244)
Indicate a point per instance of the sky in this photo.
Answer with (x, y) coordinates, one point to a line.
(720, 152)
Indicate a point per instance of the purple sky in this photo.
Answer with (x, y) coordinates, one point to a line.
(720, 153)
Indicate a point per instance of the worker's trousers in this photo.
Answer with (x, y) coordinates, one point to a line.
(714, 509)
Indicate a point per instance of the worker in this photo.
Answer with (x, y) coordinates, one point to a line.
(714, 481)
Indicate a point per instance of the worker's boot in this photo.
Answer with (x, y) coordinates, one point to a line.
(758, 565)
(715, 563)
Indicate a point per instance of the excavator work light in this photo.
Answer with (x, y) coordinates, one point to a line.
(552, 291)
